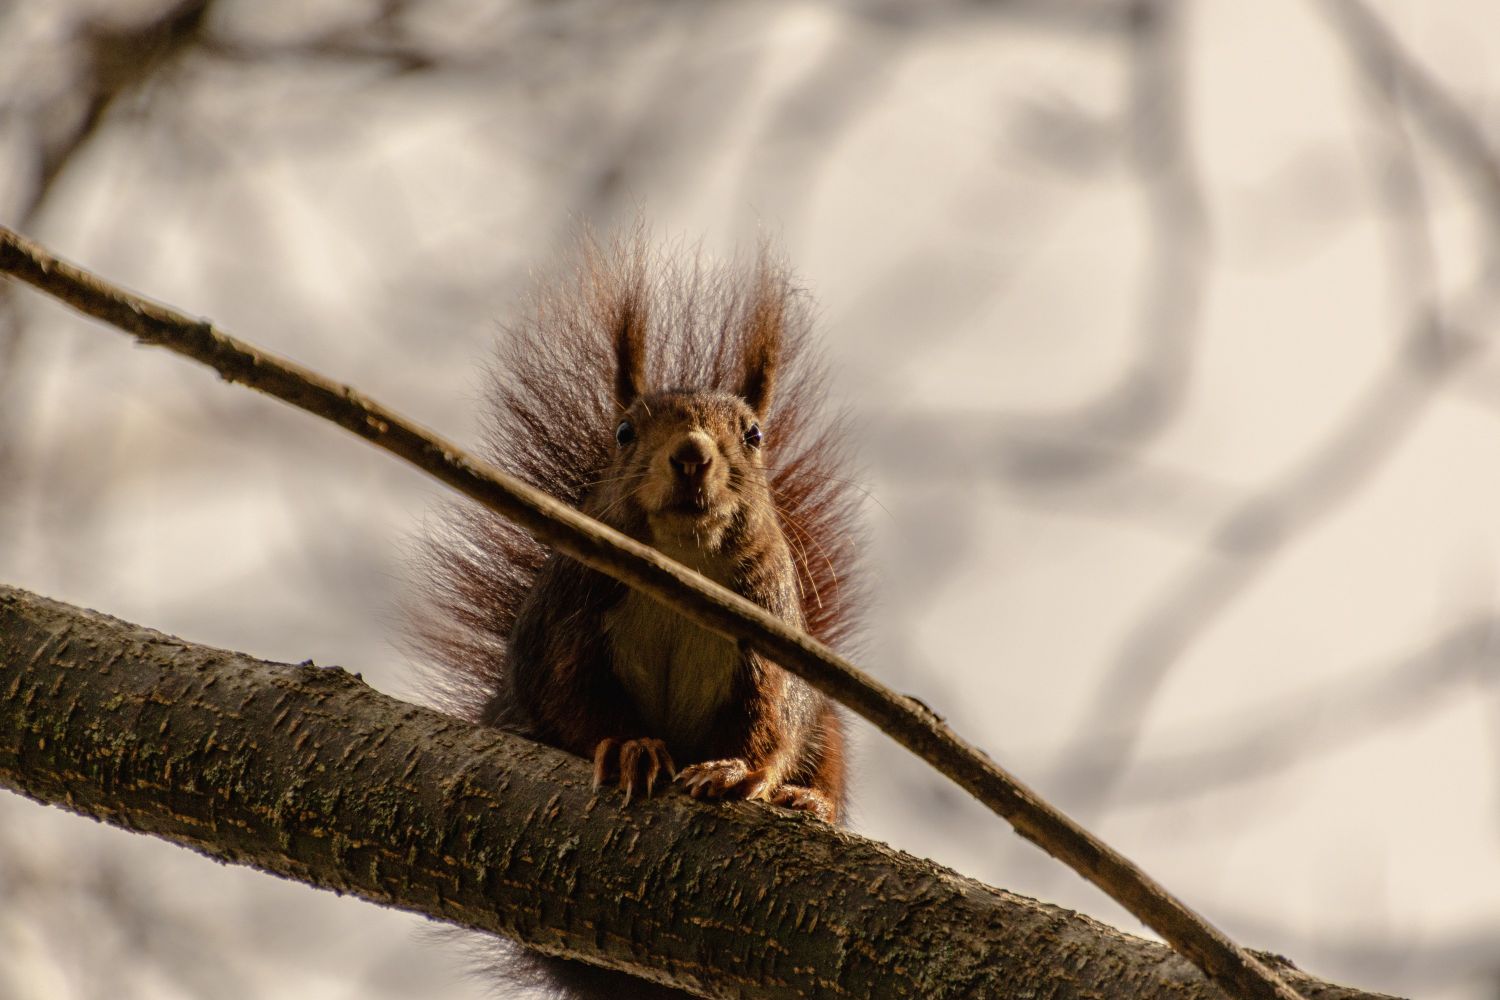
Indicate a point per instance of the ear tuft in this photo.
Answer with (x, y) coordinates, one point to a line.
(624, 308)
(630, 352)
(763, 337)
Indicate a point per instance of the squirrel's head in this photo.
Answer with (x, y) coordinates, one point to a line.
(689, 462)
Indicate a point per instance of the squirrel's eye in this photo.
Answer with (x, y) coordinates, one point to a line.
(625, 433)
(752, 435)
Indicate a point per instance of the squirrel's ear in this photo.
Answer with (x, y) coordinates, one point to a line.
(763, 349)
(630, 352)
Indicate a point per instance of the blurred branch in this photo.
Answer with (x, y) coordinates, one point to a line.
(1149, 393)
(115, 61)
(1380, 55)
(1258, 740)
(278, 767)
(956, 447)
(1245, 545)
(1084, 17)
(1437, 343)
(398, 55)
(786, 162)
(644, 569)
(1398, 181)
(638, 140)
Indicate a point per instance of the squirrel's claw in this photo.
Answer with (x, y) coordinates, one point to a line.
(804, 799)
(734, 779)
(603, 760)
(731, 778)
(637, 764)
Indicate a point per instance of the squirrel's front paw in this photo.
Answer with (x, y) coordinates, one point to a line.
(636, 764)
(723, 779)
(804, 799)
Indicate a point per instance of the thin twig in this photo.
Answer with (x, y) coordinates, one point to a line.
(641, 567)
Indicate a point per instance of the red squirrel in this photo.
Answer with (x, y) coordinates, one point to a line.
(681, 405)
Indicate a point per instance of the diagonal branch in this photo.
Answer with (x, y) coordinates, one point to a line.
(1450, 126)
(308, 773)
(643, 568)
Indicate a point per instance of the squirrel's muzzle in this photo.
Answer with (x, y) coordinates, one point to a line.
(691, 458)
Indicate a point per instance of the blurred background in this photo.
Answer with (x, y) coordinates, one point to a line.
(1168, 326)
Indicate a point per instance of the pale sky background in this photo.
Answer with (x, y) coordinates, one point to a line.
(1170, 343)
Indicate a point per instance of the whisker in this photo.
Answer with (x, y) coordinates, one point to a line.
(796, 469)
(613, 479)
(628, 494)
(609, 509)
(803, 535)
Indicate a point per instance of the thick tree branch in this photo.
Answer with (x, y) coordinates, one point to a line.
(308, 773)
(641, 567)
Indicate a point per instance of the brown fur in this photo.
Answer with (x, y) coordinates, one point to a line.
(690, 357)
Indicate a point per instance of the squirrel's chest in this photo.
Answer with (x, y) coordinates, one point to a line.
(678, 674)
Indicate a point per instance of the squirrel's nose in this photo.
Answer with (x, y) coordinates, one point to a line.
(692, 456)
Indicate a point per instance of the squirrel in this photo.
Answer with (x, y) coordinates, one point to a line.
(679, 403)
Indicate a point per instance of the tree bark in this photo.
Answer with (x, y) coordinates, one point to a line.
(308, 773)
